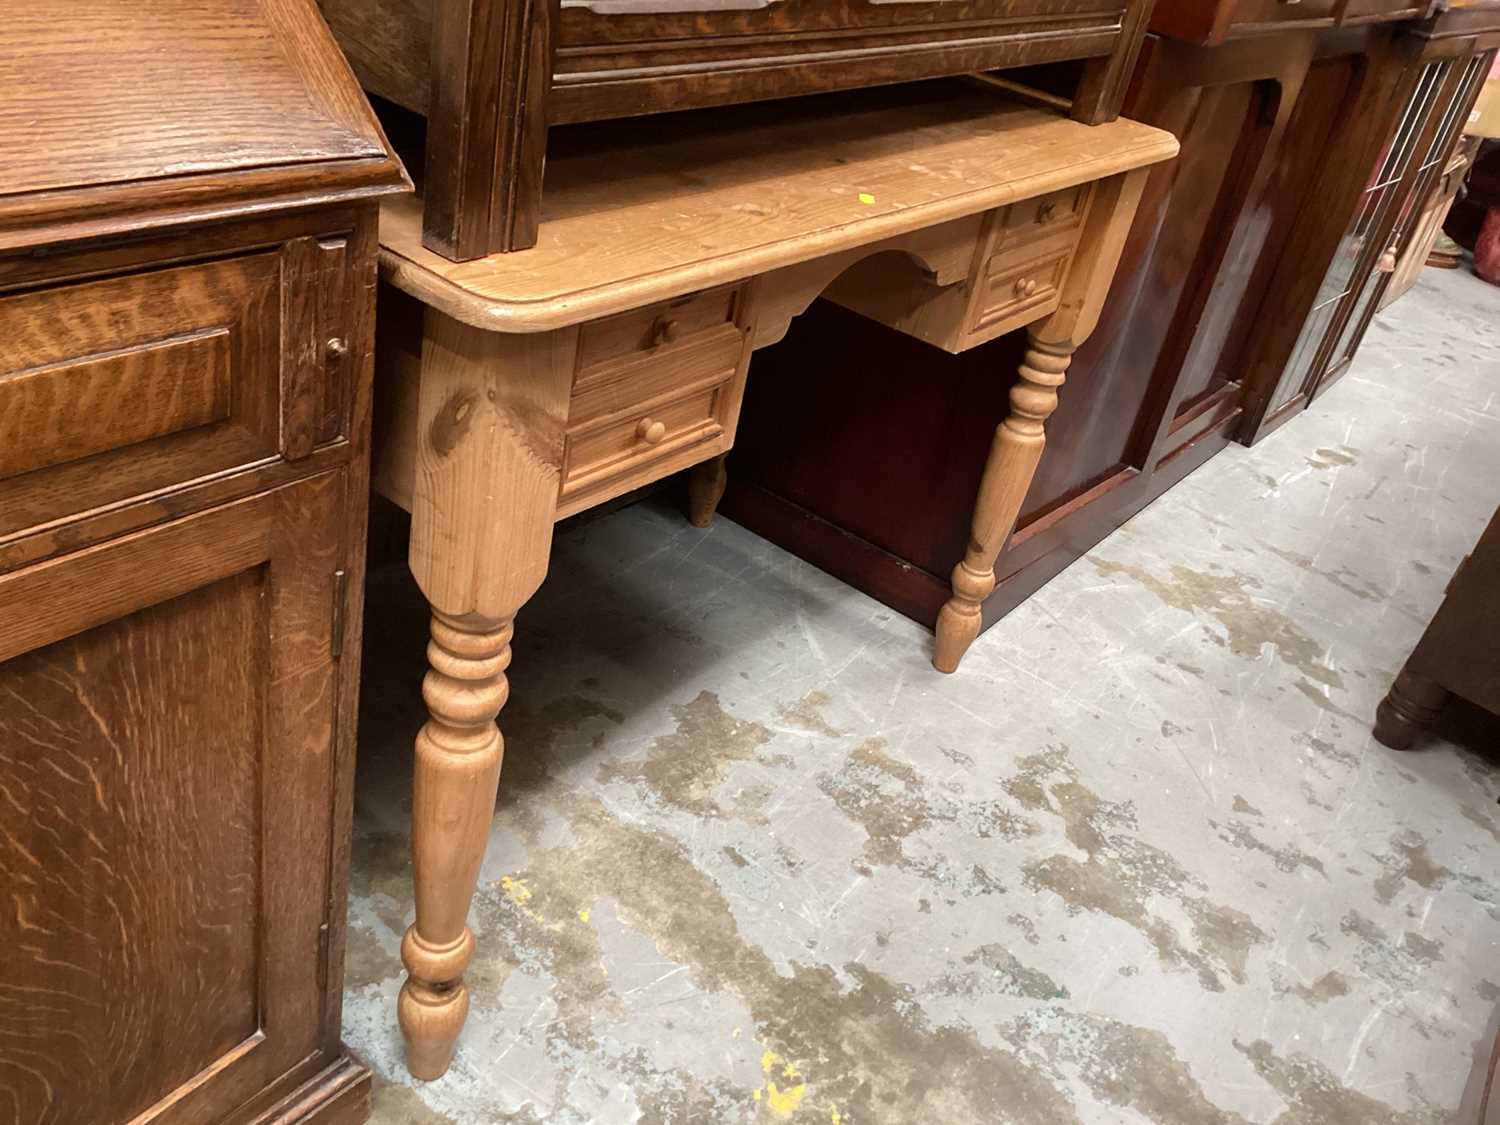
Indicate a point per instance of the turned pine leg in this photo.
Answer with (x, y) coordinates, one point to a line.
(705, 489)
(1019, 439)
(491, 418)
(1012, 462)
(459, 750)
(1409, 708)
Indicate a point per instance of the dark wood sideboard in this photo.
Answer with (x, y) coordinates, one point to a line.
(1457, 654)
(187, 273)
(491, 76)
(1445, 64)
(1281, 110)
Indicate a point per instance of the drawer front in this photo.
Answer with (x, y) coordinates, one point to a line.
(636, 440)
(640, 416)
(624, 57)
(656, 328)
(1057, 213)
(119, 388)
(611, 389)
(1028, 260)
(1019, 288)
(1250, 16)
(1367, 11)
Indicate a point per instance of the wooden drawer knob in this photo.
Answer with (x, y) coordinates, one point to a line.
(1045, 212)
(335, 349)
(1025, 286)
(651, 432)
(663, 331)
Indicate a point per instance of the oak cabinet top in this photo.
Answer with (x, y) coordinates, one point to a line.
(115, 112)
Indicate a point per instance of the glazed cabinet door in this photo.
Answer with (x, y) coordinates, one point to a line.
(167, 734)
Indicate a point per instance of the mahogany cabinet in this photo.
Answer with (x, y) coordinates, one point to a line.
(1278, 121)
(491, 76)
(187, 271)
(1447, 61)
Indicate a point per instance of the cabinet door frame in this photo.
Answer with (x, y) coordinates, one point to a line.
(297, 534)
(1460, 90)
(1394, 70)
(1170, 80)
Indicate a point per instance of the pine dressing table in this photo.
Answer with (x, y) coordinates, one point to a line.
(529, 386)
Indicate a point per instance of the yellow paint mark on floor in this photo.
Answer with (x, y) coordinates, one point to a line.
(835, 1117)
(784, 1103)
(583, 916)
(782, 1100)
(515, 889)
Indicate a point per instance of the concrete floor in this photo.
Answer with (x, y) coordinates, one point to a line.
(1140, 860)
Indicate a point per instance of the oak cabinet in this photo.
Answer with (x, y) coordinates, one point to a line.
(187, 270)
(168, 712)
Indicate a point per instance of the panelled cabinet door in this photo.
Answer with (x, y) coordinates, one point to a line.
(167, 710)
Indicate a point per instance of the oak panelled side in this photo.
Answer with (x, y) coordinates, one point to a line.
(187, 273)
(168, 714)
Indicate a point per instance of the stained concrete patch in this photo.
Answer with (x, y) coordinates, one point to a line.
(1122, 874)
(1338, 458)
(1482, 819)
(1328, 986)
(391, 1102)
(684, 768)
(1407, 861)
(1243, 806)
(1287, 858)
(1315, 1096)
(884, 796)
(1250, 624)
(1124, 1065)
(831, 1030)
(366, 960)
(1342, 577)
(998, 970)
(807, 714)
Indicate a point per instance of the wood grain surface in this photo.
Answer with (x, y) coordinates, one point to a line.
(162, 963)
(635, 215)
(130, 113)
(176, 824)
(143, 89)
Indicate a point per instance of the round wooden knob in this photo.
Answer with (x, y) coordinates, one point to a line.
(1025, 286)
(651, 432)
(335, 349)
(664, 331)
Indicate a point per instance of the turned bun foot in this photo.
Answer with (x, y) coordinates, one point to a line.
(1409, 708)
(430, 1020)
(961, 616)
(706, 483)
